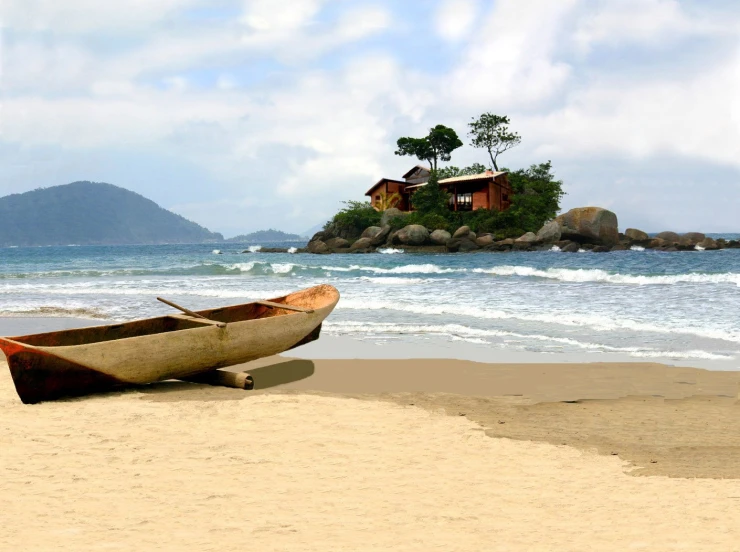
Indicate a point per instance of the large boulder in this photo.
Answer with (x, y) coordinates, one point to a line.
(413, 234)
(337, 243)
(462, 245)
(439, 237)
(461, 232)
(381, 236)
(529, 238)
(694, 237)
(709, 244)
(549, 233)
(670, 237)
(322, 235)
(318, 247)
(371, 232)
(362, 243)
(589, 225)
(633, 234)
(389, 214)
(484, 240)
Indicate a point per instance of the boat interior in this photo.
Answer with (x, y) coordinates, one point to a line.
(304, 301)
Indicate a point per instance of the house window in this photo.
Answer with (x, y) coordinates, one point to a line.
(377, 199)
(465, 202)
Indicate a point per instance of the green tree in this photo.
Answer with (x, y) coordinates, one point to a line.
(491, 132)
(431, 199)
(451, 171)
(438, 145)
(352, 219)
(536, 198)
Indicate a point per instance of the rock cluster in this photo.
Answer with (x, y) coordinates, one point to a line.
(582, 229)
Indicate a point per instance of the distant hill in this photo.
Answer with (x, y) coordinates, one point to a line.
(92, 213)
(265, 236)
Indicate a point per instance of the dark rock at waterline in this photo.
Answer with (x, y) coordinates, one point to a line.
(381, 237)
(695, 237)
(318, 247)
(462, 245)
(670, 237)
(571, 247)
(440, 237)
(589, 225)
(601, 249)
(619, 247)
(413, 234)
(337, 243)
(362, 243)
(635, 235)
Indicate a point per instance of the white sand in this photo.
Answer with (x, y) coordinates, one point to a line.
(214, 469)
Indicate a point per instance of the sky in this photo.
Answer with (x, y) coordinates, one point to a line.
(244, 115)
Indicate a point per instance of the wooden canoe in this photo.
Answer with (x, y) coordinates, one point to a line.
(51, 365)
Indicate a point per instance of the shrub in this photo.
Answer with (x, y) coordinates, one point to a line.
(351, 220)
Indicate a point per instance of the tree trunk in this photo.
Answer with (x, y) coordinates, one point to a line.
(493, 160)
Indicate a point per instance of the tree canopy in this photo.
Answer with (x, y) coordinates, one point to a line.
(491, 132)
(436, 146)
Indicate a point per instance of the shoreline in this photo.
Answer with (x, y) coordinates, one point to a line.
(348, 347)
(379, 454)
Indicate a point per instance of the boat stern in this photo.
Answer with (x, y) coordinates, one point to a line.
(40, 376)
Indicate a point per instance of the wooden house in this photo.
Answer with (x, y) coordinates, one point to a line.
(487, 190)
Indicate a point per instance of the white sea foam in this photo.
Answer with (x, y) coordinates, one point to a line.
(637, 248)
(216, 251)
(477, 335)
(281, 268)
(594, 322)
(699, 247)
(598, 275)
(390, 251)
(292, 249)
(254, 248)
(555, 248)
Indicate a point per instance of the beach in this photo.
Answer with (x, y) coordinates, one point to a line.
(382, 454)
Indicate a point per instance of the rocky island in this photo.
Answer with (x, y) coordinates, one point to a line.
(584, 228)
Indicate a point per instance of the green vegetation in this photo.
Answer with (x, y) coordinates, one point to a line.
(438, 145)
(491, 132)
(265, 236)
(351, 220)
(535, 197)
(91, 213)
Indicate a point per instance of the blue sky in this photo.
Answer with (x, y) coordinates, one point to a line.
(248, 114)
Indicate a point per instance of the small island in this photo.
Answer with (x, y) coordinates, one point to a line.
(265, 236)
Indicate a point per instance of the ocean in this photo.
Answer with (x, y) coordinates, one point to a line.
(682, 308)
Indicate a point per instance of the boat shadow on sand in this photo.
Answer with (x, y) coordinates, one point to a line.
(265, 377)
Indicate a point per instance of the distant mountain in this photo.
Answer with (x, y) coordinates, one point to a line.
(92, 213)
(265, 236)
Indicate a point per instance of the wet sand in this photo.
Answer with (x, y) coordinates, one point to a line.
(382, 455)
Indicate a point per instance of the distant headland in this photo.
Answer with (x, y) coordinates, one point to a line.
(92, 213)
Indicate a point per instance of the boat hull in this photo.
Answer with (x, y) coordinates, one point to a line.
(55, 369)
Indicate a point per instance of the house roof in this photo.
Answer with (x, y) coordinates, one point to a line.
(464, 178)
(414, 169)
(381, 181)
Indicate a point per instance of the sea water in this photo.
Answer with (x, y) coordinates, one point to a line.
(639, 305)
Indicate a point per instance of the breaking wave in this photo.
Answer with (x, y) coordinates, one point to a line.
(598, 275)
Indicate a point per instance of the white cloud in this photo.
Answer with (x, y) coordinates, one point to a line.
(682, 116)
(512, 63)
(87, 16)
(654, 22)
(455, 18)
(322, 132)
